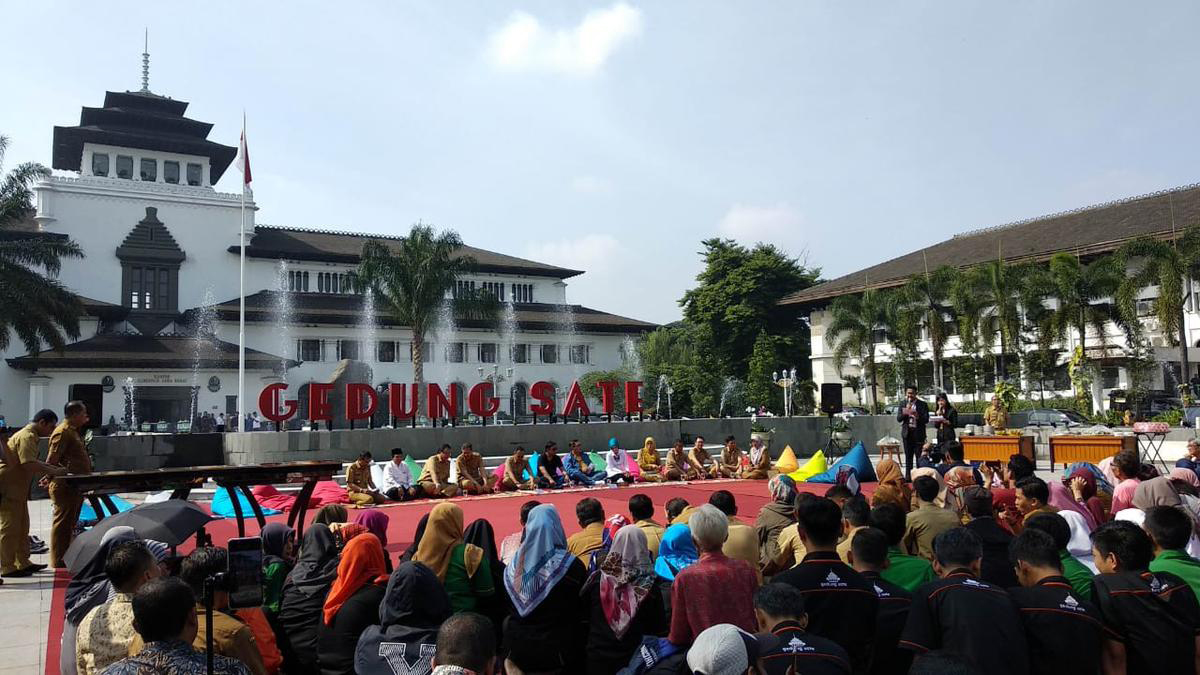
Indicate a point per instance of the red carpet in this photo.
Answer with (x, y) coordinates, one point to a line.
(503, 511)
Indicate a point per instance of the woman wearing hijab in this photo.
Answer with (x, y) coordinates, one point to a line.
(759, 462)
(1158, 492)
(461, 567)
(414, 606)
(675, 552)
(88, 588)
(352, 605)
(1083, 485)
(417, 534)
(331, 514)
(891, 488)
(1062, 499)
(547, 630)
(775, 516)
(495, 607)
(376, 522)
(941, 481)
(279, 553)
(647, 460)
(624, 605)
(304, 594)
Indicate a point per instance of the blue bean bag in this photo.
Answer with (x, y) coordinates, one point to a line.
(533, 459)
(857, 458)
(222, 506)
(87, 514)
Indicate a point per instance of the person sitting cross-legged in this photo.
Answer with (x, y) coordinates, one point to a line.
(579, 471)
(164, 615)
(435, 475)
(780, 611)
(360, 487)
(550, 471)
(959, 613)
(106, 633)
(466, 643)
(397, 479)
(1151, 616)
(1052, 613)
(516, 468)
(616, 463)
(472, 479)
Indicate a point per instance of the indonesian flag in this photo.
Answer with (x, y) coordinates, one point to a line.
(242, 162)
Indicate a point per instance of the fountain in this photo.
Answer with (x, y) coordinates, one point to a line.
(663, 383)
(203, 327)
(131, 404)
(727, 389)
(284, 318)
(568, 326)
(630, 358)
(444, 333)
(508, 339)
(368, 336)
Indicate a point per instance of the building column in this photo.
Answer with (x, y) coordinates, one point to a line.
(39, 385)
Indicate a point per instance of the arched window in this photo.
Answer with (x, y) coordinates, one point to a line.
(518, 403)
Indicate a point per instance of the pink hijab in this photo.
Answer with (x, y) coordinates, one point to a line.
(1062, 499)
(1186, 475)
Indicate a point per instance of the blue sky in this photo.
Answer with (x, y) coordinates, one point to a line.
(613, 137)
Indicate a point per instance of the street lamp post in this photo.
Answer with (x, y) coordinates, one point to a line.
(495, 378)
(786, 380)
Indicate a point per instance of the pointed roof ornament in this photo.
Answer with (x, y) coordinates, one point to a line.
(146, 64)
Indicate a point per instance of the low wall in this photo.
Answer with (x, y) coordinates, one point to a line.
(156, 451)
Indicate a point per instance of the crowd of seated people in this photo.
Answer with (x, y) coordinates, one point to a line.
(998, 571)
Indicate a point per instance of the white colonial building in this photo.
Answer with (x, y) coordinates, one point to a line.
(1087, 232)
(133, 186)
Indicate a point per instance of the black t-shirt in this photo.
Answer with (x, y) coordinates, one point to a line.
(995, 568)
(811, 654)
(553, 465)
(1154, 614)
(971, 618)
(894, 602)
(1054, 617)
(837, 599)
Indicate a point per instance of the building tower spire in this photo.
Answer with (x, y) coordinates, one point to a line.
(146, 64)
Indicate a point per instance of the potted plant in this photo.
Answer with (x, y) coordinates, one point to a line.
(841, 432)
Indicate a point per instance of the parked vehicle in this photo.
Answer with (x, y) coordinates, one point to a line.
(1046, 417)
(854, 411)
(1190, 415)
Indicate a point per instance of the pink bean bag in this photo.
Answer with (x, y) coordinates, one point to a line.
(269, 497)
(329, 492)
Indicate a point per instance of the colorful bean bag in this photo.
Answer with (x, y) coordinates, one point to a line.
(88, 515)
(857, 458)
(533, 460)
(815, 465)
(597, 462)
(223, 506)
(329, 492)
(498, 472)
(632, 468)
(413, 468)
(269, 497)
(787, 461)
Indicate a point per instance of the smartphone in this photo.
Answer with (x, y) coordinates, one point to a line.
(244, 573)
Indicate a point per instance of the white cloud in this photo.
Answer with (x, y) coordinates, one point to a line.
(591, 185)
(779, 224)
(523, 43)
(590, 253)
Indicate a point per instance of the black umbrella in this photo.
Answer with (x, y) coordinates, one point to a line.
(171, 522)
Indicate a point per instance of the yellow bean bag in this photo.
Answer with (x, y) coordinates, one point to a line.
(815, 465)
(787, 461)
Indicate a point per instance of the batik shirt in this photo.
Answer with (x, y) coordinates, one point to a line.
(104, 635)
(175, 657)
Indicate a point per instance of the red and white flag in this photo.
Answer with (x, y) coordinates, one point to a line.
(242, 162)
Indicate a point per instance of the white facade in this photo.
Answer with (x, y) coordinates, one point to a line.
(99, 212)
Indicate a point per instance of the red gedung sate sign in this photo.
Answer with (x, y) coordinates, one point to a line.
(362, 400)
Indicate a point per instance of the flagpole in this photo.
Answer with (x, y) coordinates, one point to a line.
(241, 399)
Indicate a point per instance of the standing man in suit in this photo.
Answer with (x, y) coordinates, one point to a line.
(913, 417)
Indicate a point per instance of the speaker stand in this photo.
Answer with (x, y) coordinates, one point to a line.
(832, 449)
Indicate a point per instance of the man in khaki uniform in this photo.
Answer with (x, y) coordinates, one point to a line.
(67, 451)
(20, 465)
(471, 477)
(360, 487)
(703, 461)
(435, 477)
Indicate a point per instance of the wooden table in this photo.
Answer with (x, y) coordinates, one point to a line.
(98, 487)
(1069, 448)
(996, 448)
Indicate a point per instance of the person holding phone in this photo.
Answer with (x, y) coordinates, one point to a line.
(913, 417)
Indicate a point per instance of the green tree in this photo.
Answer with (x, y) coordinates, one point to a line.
(969, 303)
(588, 382)
(41, 310)
(930, 293)
(760, 388)
(737, 298)
(1165, 264)
(1001, 285)
(902, 326)
(851, 333)
(1077, 289)
(675, 350)
(413, 276)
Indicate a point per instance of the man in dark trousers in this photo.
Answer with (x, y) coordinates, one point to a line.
(913, 417)
(1054, 615)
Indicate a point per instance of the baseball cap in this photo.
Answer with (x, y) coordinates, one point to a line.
(725, 649)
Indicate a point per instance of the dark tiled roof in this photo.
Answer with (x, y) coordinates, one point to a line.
(137, 120)
(345, 247)
(150, 240)
(112, 351)
(338, 309)
(1087, 231)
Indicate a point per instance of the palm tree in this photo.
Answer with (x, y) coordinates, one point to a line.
(1076, 288)
(852, 325)
(1001, 285)
(969, 304)
(930, 292)
(413, 277)
(1165, 264)
(1038, 322)
(44, 311)
(902, 326)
